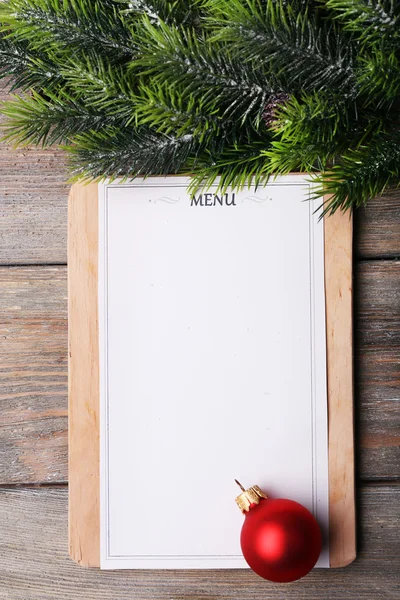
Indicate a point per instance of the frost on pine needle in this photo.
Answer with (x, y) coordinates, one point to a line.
(239, 89)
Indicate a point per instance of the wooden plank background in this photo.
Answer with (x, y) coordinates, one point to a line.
(34, 563)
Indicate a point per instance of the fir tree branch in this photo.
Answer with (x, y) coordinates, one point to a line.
(102, 85)
(361, 174)
(237, 166)
(176, 12)
(129, 152)
(182, 58)
(313, 116)
(312, 133)
(372, 21)
(293, 41)
(169, 110)
(329, 124)
(379, 78)
(27, 68)
(51, 120)
(161, 86)
(74, 25)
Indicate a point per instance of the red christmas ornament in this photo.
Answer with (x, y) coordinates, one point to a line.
(280, 539)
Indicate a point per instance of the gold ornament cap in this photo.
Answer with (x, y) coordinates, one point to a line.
(248, 497)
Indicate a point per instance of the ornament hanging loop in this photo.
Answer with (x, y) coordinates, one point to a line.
(249, 497)
(240, 485)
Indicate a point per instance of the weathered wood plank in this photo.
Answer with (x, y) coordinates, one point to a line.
(377, 227)
(33, 293)
(33, 204)
(377, 373)
(377, 304)
(34, 561)
(33, 371)
(33, 375)
(377, 412)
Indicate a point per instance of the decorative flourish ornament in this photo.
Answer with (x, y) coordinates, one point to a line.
(280, 539)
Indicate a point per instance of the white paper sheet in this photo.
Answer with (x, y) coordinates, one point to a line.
(212, 366)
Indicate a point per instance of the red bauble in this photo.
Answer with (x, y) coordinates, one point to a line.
(280, 539)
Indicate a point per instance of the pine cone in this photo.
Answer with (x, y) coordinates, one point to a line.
(269, 113)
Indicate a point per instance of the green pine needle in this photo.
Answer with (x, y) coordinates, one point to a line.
(128, 152)
(236, 89)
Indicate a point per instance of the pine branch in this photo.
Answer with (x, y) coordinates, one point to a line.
(161, 86)
(325, 124)
(197, 66)
(314, 116)
(129, 153)
(237, 166)
(302, 156)
(168, 110)
(102, 85)
(379, 78)
(95, 26)
(51, 120)
(177, 12)
(306, 52)
(361, 174)
(28, 69)
(372, 21)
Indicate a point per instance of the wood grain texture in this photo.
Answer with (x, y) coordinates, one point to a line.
(34, 563)
(377, 227)
(377, 336)
(378, 305)
(377, 402)
(33, 375)
(83, 381)
(339, 342)
(33, 371)
(33, 204)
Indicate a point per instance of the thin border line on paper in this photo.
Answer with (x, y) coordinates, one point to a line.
(311, 225)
